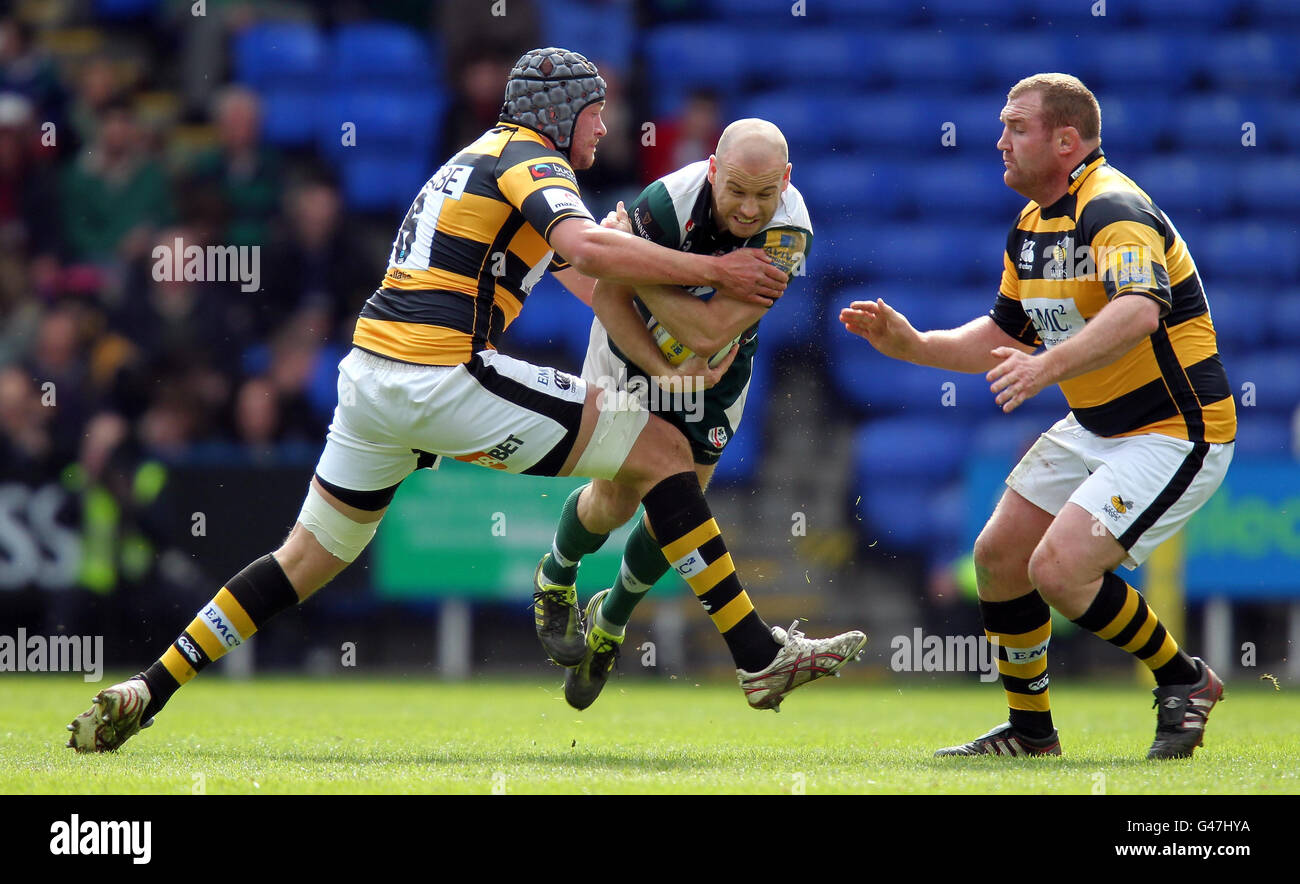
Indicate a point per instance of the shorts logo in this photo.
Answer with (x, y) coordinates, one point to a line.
(1040, 684)
(187, 649)
(563, 381)
(1027, 655)
(496, 457)
(1117, 507)
(718, 437)
(550, 170)
(216, 621)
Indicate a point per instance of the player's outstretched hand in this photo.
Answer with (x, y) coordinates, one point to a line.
(749, 275)
(618, 219)
(697, 375)
(1017, 377)
(884, 327)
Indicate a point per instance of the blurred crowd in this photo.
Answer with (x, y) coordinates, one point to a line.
(117, 139)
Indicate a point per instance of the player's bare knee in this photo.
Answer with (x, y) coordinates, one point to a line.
(660, 451)
(1047, 574)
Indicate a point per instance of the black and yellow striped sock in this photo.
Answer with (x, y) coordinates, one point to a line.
(1022, 629)
(692, 543)
(1122, 617)
(244, 605)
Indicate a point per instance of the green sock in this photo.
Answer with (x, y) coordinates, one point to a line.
(643, 564)
(572, 542)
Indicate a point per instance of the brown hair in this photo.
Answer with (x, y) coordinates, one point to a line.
(1066, 102)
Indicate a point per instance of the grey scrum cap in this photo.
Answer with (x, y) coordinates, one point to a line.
(547, 90)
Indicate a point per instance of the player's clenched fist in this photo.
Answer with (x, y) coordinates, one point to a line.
(749, 275)
(884, 327)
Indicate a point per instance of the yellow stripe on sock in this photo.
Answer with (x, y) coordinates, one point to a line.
(1031, 669)
(732, 612)
(693, 539)
(207, 641)
(712, 575)
(1029, 702)
(231, 607)
(178, 666)
(1168, 648)
(1144, 634)
(1025, 639)
(1116, 626)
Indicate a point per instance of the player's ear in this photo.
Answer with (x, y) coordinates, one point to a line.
(785, 180)
(713, 168)
(1067, 139)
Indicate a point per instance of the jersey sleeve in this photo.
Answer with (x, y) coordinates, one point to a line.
(1127, 240)
(654, 218)
(788, 247)
(545, 191)
(1007, 312)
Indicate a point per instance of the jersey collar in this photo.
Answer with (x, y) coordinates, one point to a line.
(1085, 168)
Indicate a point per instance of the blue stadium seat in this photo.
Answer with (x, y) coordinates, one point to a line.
(291, 116)
(926, 449)
(603, 32)
(1238, 312)
(1253, 62)
(124, 9)
(1133, 125)
(939, 254)
(1012, 56)
(821, 56)
(1071, 16)
(896, 516)
(978, 127)
(1272, 13)
(1270, 186)
(1211, 124)
(283, 54)
(1280, 128)
(844, 249)
(1276, 376)
(841, 184)
(406, 120)
(1257, 252)
(1285, 310)
(685, 57)
(1263, 435)
(765, 12)
(924, 58)
(805, 119)
(552, 319)
(796, 320)
(384, 55)
(970, 188)
(1150, 60)
(1187, 187)
(974, 13)
(382, 180)
(743, 454)
(1006, 435)
(1200, 14)
(876, 13)
(881, 122)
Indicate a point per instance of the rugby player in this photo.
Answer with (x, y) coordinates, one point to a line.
(1096, 273)
(424, 379)
(646, 336)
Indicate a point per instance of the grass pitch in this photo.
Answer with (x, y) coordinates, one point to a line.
(275, 735)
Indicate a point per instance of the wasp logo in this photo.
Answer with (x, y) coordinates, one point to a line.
(1121, 505)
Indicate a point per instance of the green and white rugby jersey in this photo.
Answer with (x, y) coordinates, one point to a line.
(677, 212)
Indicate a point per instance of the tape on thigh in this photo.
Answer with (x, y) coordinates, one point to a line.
(615, 433)
(339, 535)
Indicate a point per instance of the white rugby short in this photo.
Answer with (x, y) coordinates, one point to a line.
(493, 411)
(1142, 488)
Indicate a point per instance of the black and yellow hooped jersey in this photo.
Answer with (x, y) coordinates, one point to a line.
(1103, 239)
(470, 249)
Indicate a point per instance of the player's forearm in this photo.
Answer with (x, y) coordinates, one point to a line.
(630, 260)
(613, 306)
(704, 327)
(966, 349)
(1115, 330)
